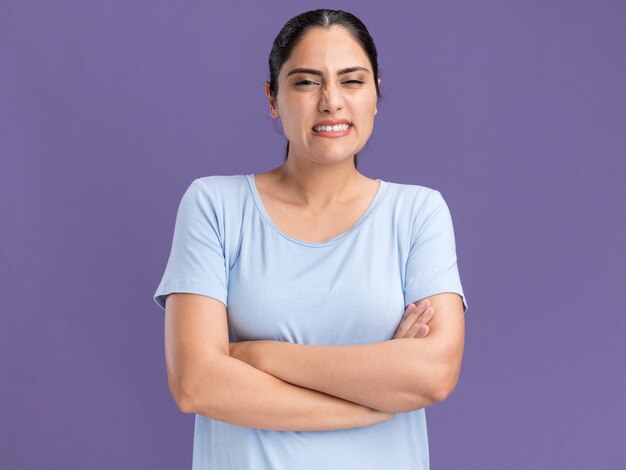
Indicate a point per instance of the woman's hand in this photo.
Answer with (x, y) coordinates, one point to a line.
(414, 322)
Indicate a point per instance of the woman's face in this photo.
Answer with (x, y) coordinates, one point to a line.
(325, 92)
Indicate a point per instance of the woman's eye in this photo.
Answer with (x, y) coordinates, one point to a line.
(307, 82)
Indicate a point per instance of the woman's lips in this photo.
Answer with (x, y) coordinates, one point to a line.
(332, 134)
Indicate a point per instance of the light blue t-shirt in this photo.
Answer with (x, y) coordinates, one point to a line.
(351, 289)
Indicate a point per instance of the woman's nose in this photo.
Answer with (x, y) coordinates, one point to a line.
(330, 99)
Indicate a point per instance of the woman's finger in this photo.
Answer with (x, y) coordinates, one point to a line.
(411, 314)
(415, 325)
(407, 311)
(427, 316)
(419, 308)
(419, 328)
(405, 325)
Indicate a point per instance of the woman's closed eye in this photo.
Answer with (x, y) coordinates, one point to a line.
(304, 82)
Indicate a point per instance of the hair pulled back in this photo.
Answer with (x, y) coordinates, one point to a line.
(296, 27)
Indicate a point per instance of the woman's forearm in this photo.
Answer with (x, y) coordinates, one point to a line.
(377, 375)
(237, 393)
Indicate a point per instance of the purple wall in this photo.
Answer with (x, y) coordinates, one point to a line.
(515, 111)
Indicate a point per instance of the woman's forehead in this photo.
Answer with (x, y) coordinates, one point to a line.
(328, 51)
(326, 40)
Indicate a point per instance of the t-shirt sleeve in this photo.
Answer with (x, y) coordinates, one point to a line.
(196, 262)
(432, 263)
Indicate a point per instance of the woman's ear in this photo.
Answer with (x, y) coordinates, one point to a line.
(376, 109)
(270, 100)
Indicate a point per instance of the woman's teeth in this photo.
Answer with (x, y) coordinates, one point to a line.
(337, 128)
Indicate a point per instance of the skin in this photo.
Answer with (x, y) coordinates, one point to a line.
(319, 174)
(318, 178)
(414, 322)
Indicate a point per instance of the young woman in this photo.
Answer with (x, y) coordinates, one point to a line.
(286, 331)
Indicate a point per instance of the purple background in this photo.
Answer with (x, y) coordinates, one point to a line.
(515, 111)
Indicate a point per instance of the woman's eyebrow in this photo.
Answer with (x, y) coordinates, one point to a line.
(319, 72)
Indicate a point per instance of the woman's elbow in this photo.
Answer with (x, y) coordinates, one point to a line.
(184, 402)
(445, 385)
(181, 395)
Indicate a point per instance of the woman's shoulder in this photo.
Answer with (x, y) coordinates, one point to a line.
(412, 192)
(220, 185)
(220, 182)
(223, 191)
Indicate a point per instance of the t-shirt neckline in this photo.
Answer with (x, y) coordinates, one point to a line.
(265, 215)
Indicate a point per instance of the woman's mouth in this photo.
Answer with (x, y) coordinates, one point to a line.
(339, 130)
